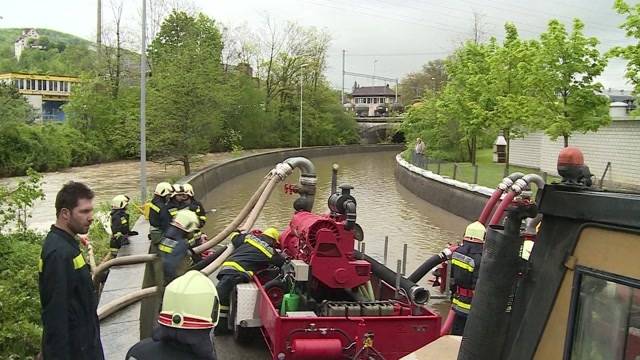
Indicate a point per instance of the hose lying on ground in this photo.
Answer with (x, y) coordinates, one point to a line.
(124, 260)
(122, 302)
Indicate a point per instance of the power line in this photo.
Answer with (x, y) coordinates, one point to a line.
(433, 53)
(378, 16)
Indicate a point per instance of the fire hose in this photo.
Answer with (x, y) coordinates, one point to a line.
(247, 216)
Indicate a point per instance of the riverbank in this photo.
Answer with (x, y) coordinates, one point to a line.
(110, 179)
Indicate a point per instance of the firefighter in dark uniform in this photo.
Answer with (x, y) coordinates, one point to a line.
(158, 223)
(119, 224)
(70, 325)
(252, 252)
(189, 312)
(174, 247)
(465, 268)
(195, 206)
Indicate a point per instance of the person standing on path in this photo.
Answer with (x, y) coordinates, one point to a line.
(71, 329)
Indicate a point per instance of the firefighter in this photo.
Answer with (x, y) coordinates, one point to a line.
(174, 246)
(465, 268)
(253, 251)
(119, 224)
(195, 206)
(189, 312)
(70, 325)
(158, 204)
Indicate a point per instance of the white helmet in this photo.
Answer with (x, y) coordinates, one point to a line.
(163, 189)
(119, 202)
(178, 189)
(188, 189)
(186, 220)
(190, 302)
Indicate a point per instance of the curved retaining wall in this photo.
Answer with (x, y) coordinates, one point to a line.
(460, 198)
(122, 330)
(211, 177)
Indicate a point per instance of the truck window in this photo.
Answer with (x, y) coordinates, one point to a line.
(605, 321)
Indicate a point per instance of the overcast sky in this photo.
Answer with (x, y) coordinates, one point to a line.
(398, 36)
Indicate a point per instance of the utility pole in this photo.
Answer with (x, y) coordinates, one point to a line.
(373, 78)
(99, 26)
(143, 82)
(300, 108)
(343, 54)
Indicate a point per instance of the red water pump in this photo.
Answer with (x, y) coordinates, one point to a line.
(326, 243)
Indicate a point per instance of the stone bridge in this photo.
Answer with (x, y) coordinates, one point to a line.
(374, 130)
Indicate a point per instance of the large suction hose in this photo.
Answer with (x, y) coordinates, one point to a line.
(122, 302)
(430, 263)
(279, 173)
(236, 222)
(257, 209)
(124, 260)
(502, 187)
(248, 223)
(517, 187)
(416, 293)
(487, 324)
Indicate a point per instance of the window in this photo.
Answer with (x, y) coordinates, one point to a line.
(21, 84)
(605, 317)
(55, 85)
(368, 100)
(375, 100)
(28, 84)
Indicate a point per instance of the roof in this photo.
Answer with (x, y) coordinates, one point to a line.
(619, 95)
(373, 91)
(20, 75)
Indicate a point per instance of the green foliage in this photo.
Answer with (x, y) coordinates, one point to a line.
(432, 77)
(16, 202)
(47, 147)
(60, 53)
(108, 124)
(19, 300)
(184, 99)
(631, 53)
(566, 66)
(13, 106)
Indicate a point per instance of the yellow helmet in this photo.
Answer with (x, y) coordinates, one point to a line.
(190, 302)
(188, 189)
(272, 233)
(186, 220)
(475, 232)
(163, 189)
(119, 202)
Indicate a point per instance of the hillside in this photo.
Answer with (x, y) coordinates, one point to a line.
(64, 54)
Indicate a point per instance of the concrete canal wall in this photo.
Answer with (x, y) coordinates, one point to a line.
(122, 330)
(456, 197)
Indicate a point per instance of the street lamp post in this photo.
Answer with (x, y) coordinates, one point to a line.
(143, 79)
(301, 69)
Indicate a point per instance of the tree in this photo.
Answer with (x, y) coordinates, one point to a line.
(13, 106)
(566, 66)
(431, 120)
(469, 101)
(510, 68)
(432, 77)
(631, 53)
(184, 104)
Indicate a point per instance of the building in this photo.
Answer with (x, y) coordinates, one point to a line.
(374, 100)
(22, 41)
(612, 153)
(45, 93)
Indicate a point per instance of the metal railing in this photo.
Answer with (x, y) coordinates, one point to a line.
(483, 174)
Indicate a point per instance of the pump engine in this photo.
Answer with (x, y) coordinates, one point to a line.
(326, 243)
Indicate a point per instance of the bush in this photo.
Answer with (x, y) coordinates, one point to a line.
(20, 329)
(48, 147)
